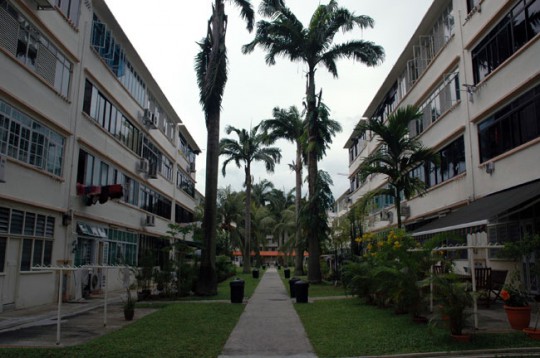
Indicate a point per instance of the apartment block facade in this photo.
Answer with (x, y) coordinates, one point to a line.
(95, 161)
(472, 69)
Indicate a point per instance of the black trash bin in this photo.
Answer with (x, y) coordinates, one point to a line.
(237, 291)
(292, 281)
(255, 273)
(287, 273)
(301, 290)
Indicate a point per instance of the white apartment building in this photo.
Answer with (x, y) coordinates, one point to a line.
(95, 161)
(472, 68)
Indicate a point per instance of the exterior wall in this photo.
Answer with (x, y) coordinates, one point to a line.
(35, 191)
(516, 74)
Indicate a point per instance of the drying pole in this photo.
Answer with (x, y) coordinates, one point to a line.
(105, 299)
(59, 314)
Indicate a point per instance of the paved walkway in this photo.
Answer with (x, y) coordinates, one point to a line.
(269, 325)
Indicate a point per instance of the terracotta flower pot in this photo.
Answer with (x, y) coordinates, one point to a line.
(518, 317)
(461, 337)
(532, 333)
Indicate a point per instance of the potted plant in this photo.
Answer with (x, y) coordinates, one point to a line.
(455, 299)
(516, 306)
(516, 295)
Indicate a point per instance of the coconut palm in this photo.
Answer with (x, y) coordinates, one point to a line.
(287, 124)
(284, 35)
(249, 148)
(397, 155)
(211, 70)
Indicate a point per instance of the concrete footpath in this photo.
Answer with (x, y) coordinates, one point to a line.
(269, 325)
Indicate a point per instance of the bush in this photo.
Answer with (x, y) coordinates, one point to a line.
(188, 278)
(224, 268)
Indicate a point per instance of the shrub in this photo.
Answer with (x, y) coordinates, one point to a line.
(224, 268)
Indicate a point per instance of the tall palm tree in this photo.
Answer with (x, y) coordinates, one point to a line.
(323, 200)
(284, 35)
(250, 147)
(211, 70)
(287, 124)
(397, 155)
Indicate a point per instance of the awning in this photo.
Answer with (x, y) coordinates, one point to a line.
(90, 230)
(479, 213)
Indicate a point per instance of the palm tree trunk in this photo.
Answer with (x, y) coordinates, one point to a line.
(247, 235)
(207, 281)
(397, 200)
(299, 248)
(314, 267)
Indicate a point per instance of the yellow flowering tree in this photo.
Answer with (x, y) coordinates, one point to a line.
(397, 265)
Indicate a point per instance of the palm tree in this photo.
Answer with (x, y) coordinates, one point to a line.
(230, 207)
(247, 149)
(211, 69)
(283, 210)
(397, 155)
(260, 191)
(323, 200)
(324, 129)
(314, 45)
(288, 125)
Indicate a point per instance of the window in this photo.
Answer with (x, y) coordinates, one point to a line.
(182, 215)
(110, 118)
(511, 126)
(23, 40)
(28, 141)
(113, 55)
(381, 201)
(154, 203)
(451, 164)
(70, 8)
(515, 29)
(156, 158)
(471, 4)
(122, 247)
(185, 183)
(439, 101)
(37, 231)
(93, 171)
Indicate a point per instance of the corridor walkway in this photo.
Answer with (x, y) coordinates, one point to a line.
(269, 325)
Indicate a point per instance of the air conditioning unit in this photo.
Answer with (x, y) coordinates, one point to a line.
(490, 168)
(44, 5)
(387, 215)
(144, 165)
(192, 167)
(152, 171)
(405, 211)
(150, 220)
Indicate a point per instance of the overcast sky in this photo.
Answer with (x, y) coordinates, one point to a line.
(165, 32)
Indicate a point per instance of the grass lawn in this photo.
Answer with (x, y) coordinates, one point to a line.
(178, 329)
(324, 289)
(224, 291)
(346, 328)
